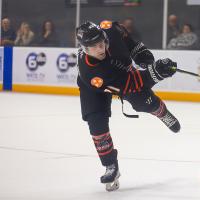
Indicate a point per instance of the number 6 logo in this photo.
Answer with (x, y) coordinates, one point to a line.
(31, 61)
(62, 62)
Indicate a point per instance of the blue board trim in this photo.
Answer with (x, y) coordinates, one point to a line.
(7, 70)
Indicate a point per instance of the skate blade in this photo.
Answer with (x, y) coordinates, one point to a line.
(113, 185)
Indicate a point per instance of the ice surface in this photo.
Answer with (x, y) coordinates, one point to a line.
(46, 152)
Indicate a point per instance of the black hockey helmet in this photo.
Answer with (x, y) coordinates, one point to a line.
(89, 33)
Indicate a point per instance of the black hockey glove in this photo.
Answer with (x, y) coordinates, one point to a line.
(166, 67)
(162, 68)
(142, 56)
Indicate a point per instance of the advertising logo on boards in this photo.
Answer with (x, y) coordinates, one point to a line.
(33, 62)
(64, 63)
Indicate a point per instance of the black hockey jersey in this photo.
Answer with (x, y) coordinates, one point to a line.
(115, 73)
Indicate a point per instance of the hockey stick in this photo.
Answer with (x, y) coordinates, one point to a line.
(186, 72)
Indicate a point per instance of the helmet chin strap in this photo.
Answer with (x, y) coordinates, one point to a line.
(83, 48)
(106, 40)
(107, 44)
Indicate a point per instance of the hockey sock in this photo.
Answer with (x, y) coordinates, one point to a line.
(105, 149)
(99, 129)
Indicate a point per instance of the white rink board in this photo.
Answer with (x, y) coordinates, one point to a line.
(52, 68)
(27, 71)
(186, 60)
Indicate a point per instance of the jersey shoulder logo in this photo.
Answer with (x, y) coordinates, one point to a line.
(106, 24)
(97, 82)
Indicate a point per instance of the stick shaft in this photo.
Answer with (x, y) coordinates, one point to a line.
(186, 72)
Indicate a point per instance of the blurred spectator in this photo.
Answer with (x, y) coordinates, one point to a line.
(8, 35)
(186, 40)
(25, 35)
(129, 24)
(48, 37)
(132, 2)
(173, 27)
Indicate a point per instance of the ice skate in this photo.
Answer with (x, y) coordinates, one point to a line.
(167, 118)
(111, 177)
(171, 122)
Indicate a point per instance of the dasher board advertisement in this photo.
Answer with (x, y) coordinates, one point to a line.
(45, 66)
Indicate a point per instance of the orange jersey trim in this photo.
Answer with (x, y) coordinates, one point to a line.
(135, 80)
(88, 63)
(127, 83)
(140, 78)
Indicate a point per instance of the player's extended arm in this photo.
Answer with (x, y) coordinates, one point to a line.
(138, 51)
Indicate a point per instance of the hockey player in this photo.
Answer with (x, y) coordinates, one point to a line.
(105, 68)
